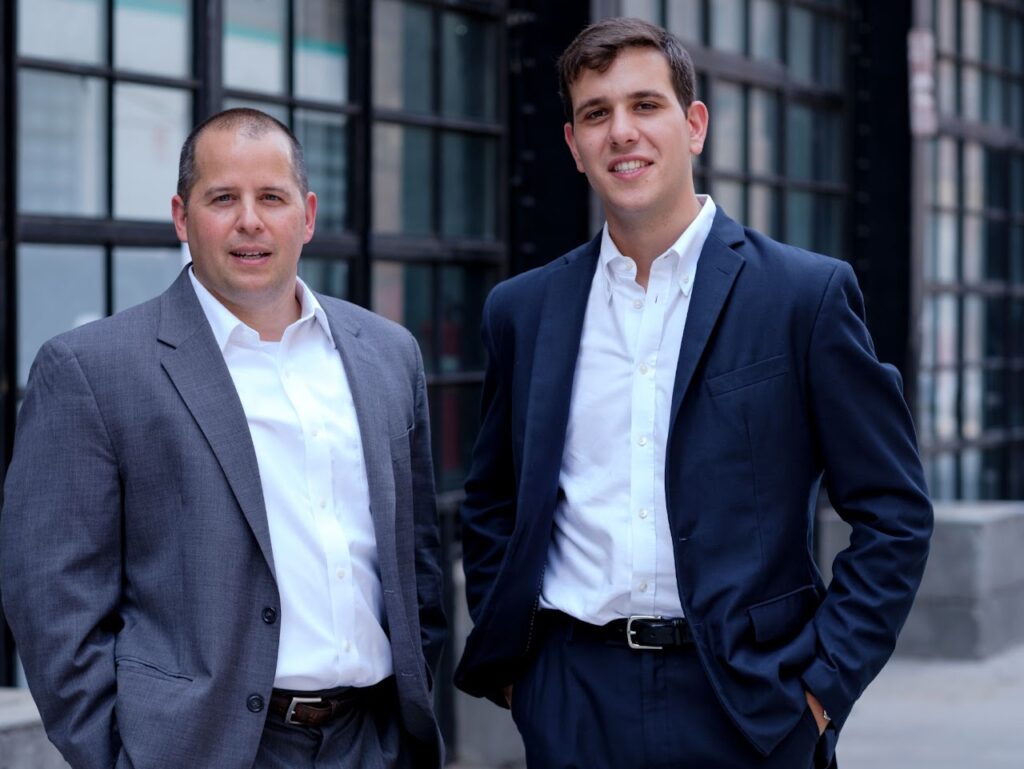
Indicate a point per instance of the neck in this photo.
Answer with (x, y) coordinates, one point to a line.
(269, 321)
(645, 239)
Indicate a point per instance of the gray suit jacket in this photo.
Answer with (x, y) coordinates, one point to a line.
(135, 558)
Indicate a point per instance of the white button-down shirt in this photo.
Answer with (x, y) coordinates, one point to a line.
(611, 553)
(302, 420)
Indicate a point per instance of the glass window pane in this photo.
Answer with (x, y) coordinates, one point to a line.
(727, 25)
(469, 67)
(946, 389)
(762, 209)
(765, 30)
(947, 87)
(974, 176)
(799, 141)
(59, 288)
(150, 125)
(945, 21)
(642, 9)
(321, 50)
(403, 175)
(970, 93)
(142, 273)
(942, 476)
(403, 71)
(328, 276)
(992, 48)
(973, 249)
(153, 36)
(254, 45)
(925, 422)
(1016, 58)
(946, 328)
(801, 44)
(940, 247)
(79, 36)
(1016, 258)
(970, 474)
(997, 242)
(470, 183)
(992, 99)
(455, 419)
(764, 131)
(684, 18)
(831, 52)
(62, 144)
(945, 168)
(405, 294)
(324, 139)
(799, 219)
(729, 196)
(828, 146)
(828, 226)
(970, 30)
(726, 143)
(463, 291)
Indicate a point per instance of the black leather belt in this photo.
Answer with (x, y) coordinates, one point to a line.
(636, 632)
(319, 708)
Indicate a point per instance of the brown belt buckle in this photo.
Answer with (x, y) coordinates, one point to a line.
(630, 632)
(289, 717)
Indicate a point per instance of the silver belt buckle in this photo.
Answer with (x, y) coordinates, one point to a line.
(630, 632)
(289, 717)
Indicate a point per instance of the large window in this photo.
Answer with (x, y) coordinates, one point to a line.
(971, 383)
(772, 73)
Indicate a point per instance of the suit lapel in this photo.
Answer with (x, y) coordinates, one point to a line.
(365, 379)
(197, 369)
(554, 364)
(716, 272)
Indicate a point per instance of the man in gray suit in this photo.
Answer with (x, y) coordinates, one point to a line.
(218, 546)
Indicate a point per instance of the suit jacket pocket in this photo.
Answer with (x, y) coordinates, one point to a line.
(135, 665)
(748, 375)
(782, 617)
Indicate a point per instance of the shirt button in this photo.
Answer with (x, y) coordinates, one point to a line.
(254, 703)
(642, 587)
(270, 615)
(314, 432)
(346, 646)
(643, 368)
(637, 304)
(686, 279)
(323, 503)
(340, 572)
(643, 512)
(642, 440)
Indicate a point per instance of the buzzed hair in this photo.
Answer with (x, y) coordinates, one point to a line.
(597, 46)
(247, 122)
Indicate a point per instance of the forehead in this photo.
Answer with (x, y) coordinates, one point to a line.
(634, 68)
(236, 153)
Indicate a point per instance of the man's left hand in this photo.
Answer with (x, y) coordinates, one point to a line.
(818, 711)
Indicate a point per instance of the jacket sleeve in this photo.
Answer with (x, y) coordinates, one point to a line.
(876, 484)
(433, 626)
(60, 558)
(488, 512)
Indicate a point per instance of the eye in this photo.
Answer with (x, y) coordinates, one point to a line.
(225, 198)
(646, 106)
(595, 114)
(271, 197)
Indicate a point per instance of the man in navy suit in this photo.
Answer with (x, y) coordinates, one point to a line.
(660, 407)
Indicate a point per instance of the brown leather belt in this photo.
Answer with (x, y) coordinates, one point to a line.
(319, 708)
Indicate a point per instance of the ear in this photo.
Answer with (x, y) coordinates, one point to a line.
(570, 140)
(179, 215)
(697, 120)
(310, 217)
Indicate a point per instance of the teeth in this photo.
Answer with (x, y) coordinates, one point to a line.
(629, 165)
(249, 254)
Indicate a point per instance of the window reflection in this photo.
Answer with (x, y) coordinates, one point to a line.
(61, 144)
(402, 180)
(765, 30)
(142, 273)
(727, 113)
(321, 50)
(470, 172)
(402, 56)
(455, 417)
(327, 276)
(727, 25)
(324, 139)
(463, 291)
(254, 45)
(468, 67)
(684, 18)
(136, 27)
(47, 307)
(404, 293)
(79, 37)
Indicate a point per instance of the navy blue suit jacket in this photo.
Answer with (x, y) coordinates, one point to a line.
(777, 385)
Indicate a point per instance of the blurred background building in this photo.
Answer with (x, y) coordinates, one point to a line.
(887, 134)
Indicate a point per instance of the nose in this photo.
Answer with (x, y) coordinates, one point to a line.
(248, 217)
(623, 128)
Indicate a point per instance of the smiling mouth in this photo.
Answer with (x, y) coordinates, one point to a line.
(630, 165)
(250, 254)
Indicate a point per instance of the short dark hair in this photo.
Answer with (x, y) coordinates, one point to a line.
(597, 46)
(250, 123)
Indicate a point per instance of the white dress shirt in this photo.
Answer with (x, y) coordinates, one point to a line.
(302, 420)
(611, 552)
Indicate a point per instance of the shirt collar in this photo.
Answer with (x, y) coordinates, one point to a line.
(227, 328)
(685, 251)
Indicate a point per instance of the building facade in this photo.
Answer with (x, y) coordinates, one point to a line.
(432, 131)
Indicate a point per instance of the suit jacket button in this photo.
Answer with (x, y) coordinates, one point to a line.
(254, 703)
(270, 615)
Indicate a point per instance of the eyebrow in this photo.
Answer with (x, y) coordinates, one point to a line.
(634, 96)
(215, 191)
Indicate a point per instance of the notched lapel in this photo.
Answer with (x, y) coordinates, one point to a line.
(197, 369)
(716, 272)
(554, 365)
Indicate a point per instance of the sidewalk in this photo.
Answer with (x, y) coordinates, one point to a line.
(934, 714)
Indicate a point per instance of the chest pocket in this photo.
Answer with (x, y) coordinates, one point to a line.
(747, 375)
